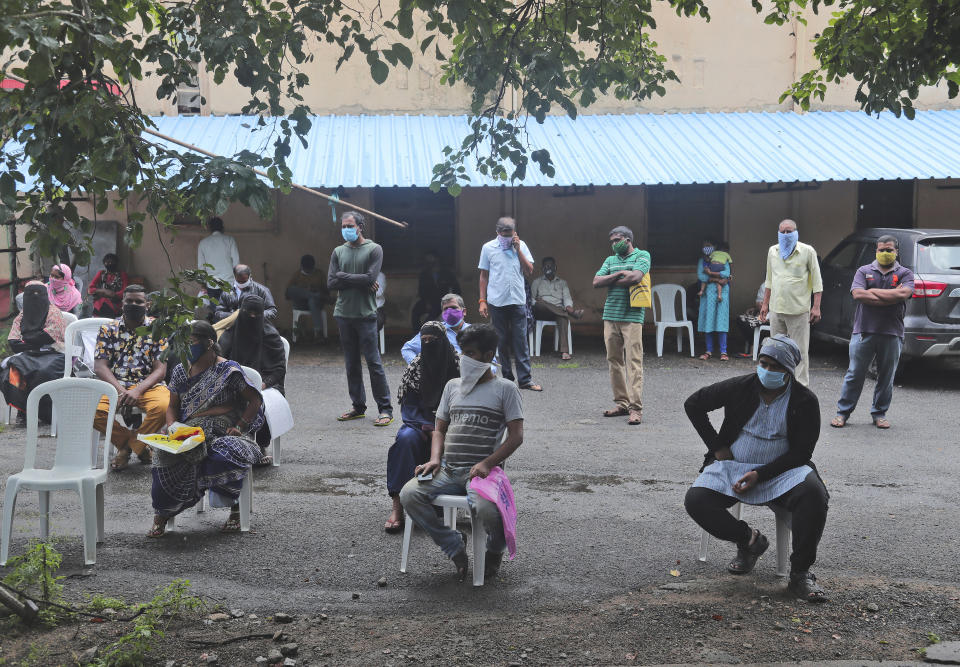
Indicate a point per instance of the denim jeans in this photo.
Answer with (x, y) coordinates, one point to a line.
(511, 325)
(314, 302)
(417, 496)
(863, 348)
(358, 337)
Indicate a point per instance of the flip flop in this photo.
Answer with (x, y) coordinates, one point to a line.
(705, 356)
(532, 387)
(159, 527)
(838, 422)
(724, 357)
(383, 420)
(881, 422)
(394, 527)
(350, 415)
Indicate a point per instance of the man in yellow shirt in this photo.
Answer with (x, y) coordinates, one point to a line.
(793, 275)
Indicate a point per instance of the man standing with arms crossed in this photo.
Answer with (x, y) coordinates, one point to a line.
(354, 267)
(881, 290)
(504, 262)
(623, 324)
(793, 274)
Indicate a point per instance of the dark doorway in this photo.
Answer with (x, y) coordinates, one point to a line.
(679, 218)
(431, 217)
(885, 204)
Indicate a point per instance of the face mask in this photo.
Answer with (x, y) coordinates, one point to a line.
(242, 285)
(453, 316)
(886, 257)
(471, 371)
(506, 242)
(771, 379)
(620, 247)
(350, 234)
(111, 267)
(134, 311)
(708, 250)
(196, 351)
(788, 242)
(549, 273)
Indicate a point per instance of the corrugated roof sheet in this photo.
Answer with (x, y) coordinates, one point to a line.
(629, 149)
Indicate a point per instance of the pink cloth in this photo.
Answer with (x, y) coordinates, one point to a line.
(64, 293)
(496, 488)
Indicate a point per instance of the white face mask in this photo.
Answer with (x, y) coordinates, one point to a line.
(471, 371)
(242, 285)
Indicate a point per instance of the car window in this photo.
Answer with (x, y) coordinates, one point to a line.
(938, 256)
(844, 256)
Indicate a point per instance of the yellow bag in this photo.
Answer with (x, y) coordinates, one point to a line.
(640, 293)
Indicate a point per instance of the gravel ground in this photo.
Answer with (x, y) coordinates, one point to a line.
(601, 528)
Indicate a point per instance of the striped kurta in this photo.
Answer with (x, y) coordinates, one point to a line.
(762, 440)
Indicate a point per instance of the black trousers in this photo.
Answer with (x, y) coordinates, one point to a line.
(807, 503)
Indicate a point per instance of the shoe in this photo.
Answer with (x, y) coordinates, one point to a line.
(460, 559)
(747, 556)
(804, 586)
(491, 564)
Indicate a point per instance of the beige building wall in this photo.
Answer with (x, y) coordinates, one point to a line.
(938, 204)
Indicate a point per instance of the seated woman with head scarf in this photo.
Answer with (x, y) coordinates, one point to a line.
(63, 291)
(212, 393)
(420, 389)
(37, 337)
(254, 342)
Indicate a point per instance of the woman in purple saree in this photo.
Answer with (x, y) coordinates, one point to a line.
(212, 393)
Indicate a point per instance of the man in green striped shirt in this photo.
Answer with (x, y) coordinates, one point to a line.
(623, 324)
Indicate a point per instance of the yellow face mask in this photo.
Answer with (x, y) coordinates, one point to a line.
(886, 257)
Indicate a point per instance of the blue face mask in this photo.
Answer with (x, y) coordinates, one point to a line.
(771, 379)
(788, 242)
(350, 234)
(196, 351)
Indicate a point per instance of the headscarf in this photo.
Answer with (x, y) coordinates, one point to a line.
(430, 370)
(63, 293)
(39, 319)
(783, 350)
(252, 340)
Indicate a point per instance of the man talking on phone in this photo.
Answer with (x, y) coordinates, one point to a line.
(474, 411)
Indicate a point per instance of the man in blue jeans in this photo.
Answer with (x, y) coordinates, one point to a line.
(881, 290)
(354, 267)
(504, 262)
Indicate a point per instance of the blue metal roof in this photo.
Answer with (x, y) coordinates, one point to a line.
(629, 149)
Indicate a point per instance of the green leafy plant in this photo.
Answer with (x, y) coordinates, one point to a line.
(149, 625)
(98, 603)
(35, 573)
(933, 637)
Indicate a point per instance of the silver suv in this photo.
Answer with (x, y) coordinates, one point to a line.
(933, 314)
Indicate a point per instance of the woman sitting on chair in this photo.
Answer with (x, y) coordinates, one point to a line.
(420, 389)
(36, 335)
(212, 393)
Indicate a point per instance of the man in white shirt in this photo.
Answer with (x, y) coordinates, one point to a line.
(219, 250)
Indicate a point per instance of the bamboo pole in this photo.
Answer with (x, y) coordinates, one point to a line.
(296, 186)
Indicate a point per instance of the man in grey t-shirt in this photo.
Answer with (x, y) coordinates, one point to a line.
(474, 411)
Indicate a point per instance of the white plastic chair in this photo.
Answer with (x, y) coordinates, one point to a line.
(75, 465)
(276, 441)
(450, 505)
(756, 338)
(297, 314)
(73, 347)
(783, 538)
(383, 340)
(666, 316)
(538, 336)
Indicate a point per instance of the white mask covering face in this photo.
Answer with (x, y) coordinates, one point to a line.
(471, 371)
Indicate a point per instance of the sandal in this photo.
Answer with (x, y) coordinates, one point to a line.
(838, 422)
(747, 556)
(394, 526)
(383, 420)
(351, 414)
(616, 412)
(565, 356)
(804, 586)
(460, 559)
(264, 462)
(635, 418)
(159, 526)
(233, 522)
(146, 456)
(724, 357)
(121, 460)
(706, 356)
(881, 422)
(532, 387)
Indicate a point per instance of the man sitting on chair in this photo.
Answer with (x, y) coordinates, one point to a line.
(552, 303)
(474, 410)
(762, 456)
(131, 363)
(453, 314)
